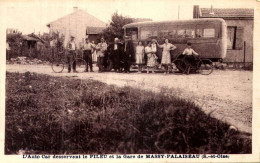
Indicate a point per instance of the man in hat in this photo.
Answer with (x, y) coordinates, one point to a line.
(116, 50)
(87, 55)
(101, 49)
(128, 56)
(71, 48)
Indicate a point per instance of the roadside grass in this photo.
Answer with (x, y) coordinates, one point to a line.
(55, 115)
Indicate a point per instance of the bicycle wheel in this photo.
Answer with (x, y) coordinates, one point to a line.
(205, 67)
(181, 65)
(81, 65)
(57, 65)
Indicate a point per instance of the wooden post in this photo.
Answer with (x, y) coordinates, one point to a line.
(244, 54)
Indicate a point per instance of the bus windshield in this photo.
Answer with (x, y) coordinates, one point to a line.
(131, 33)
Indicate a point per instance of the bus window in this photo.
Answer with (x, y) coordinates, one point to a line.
(148, 32)
(206, 33)
(181, 33)
(172, 33)
(199, 33)
(186, 33)
(132, 33)
(167, 31)
(190, 33)
(209, 32)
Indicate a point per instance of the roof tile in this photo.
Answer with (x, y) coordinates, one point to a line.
(228, 12)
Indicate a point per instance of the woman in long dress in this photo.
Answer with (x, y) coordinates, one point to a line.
(151, 60)
(166, 55)
(139, 53)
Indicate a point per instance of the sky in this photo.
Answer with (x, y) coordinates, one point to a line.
(32, 16)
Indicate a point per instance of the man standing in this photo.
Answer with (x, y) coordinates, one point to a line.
(128, 56)
(71, 48)
(53, 44)
(101, 49)
(87, 55)
(117, 50)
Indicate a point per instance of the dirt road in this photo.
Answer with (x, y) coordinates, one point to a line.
(227, 94)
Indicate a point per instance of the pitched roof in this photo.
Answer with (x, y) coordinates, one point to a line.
(86, 19)
(227, 13)
(36, 37)
(136, 20)
(94, 30)
(28, 38)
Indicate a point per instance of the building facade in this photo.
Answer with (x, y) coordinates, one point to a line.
(240, 26)
(76, 24)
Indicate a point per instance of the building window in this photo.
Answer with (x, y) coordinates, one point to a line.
(231, 37)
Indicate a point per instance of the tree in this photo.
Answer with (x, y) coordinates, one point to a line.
(115, 27)
(15, 42)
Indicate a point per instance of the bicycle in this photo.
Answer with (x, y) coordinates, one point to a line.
(58, 64)
(201, 65)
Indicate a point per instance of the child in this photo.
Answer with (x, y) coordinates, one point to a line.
(189, 52)
(151, 58)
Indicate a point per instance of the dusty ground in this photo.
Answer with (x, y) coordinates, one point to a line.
(227, 94)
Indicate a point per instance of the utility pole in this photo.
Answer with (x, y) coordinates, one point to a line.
(178, 12)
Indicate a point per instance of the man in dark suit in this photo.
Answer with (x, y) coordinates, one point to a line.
(116, 51)
(128, 56)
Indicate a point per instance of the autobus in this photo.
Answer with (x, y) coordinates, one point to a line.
(207, 36)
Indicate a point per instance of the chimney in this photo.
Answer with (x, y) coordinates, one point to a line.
(211, 10)
(196, 11)
(75, 9)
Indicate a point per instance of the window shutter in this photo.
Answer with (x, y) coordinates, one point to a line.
(239, 38)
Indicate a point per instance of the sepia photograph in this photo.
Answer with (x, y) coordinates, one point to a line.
(164, 79)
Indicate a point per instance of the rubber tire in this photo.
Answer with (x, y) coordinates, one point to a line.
(80, 65)
(57, 65)
(109, 67)
(206, 63)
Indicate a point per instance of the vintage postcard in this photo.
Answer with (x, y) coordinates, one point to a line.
(129, 81)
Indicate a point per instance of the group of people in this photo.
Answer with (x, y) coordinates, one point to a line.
(151, 52)
(123, 55)
(87, 48)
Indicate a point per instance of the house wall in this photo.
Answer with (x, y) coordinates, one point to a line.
(237, 55)
(74, 25)
(70, 26)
